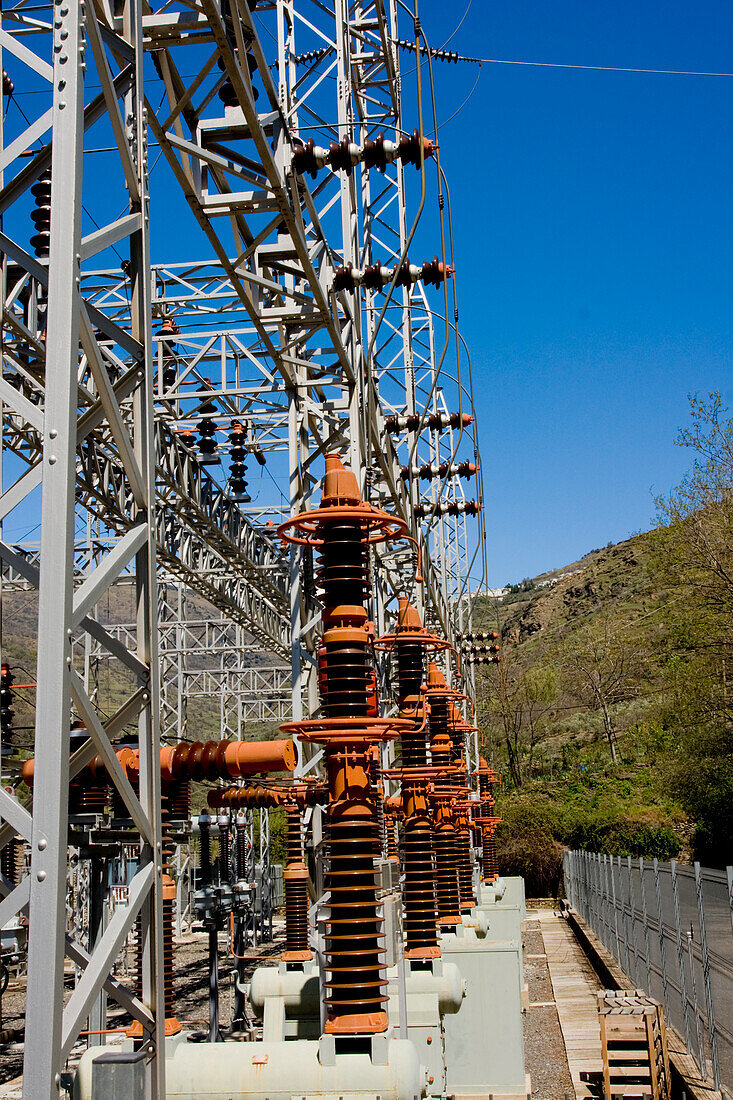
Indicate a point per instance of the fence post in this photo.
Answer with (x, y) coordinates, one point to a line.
(706, 975)
(603, 895)
(612, 863)
(729, 872)
(680, 954)
(586, 888)
(624, 925)
(645, 924)
(662, 946)
(632, 919)
(698, 1037)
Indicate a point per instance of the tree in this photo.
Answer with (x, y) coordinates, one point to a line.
(520, 700)
(602, 666)
(694, 543)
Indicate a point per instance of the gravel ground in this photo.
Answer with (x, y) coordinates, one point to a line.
(192, 993)
(544, 1049)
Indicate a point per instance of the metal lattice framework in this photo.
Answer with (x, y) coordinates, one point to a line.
(109, 367)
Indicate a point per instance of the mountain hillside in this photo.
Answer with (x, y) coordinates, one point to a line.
(573, 716)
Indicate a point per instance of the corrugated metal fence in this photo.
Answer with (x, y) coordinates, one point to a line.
(670, 928)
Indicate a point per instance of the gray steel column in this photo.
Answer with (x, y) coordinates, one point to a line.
(44, 1012)
(145, 567)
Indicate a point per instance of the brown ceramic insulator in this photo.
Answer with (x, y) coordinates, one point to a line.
(419, 888)
(490, 857)
(172, 1026)
(446, 877)
(344, 579)
(240, 847)
(465, 869)
(168, 925)
(439, 732)
(138, 973)
(296, 892)
(87, 797)
(410, 670)
(41, 214)
(11, 858)
(119, 809)
(343, 527)
(356, 984)
(179, 800)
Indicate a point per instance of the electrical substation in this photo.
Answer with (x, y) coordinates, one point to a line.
(238, 426)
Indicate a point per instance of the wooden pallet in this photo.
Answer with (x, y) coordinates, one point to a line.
(634, 1045)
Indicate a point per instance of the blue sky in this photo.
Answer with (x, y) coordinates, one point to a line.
(593, 246)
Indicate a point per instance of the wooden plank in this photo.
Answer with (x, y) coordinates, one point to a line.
(575, 988)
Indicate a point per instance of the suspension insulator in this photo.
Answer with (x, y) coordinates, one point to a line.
(41, 214)
(8, 86)
(428, 472)
(206, 427)
(409, 148)
(448, 508)
(375, 277)
(226, 93)
(437, 422)
(344, 155)
(238, 469)
(168, 329)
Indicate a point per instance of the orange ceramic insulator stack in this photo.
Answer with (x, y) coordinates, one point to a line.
(172, 1026)
(487, 780)
(408, 645)
(458, 728)
(445, 840)
(295, 877)
(342, 529)
(465, 865)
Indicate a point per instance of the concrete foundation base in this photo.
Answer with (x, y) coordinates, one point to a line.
(484, 1043)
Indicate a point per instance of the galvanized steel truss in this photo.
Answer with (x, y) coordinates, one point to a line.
(94, 403)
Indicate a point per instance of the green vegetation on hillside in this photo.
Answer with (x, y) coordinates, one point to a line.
(609, 714)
